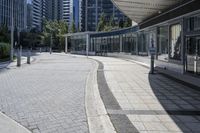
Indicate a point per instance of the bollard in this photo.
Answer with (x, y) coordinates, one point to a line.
(19, 54)
(40, 50)
(152, 64)
(50, 50)
(29, 57)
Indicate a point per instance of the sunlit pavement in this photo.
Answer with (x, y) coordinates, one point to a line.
(48, 95)
(139, 102)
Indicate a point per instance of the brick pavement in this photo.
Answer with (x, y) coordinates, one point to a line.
(47, 96)
(152, 103)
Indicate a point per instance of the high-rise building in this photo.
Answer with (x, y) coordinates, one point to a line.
(66, 13)
(92, 10)
(81, 15)
(39, 13)
(29, 16)
(19, 13)
(54, 9)
(67, 10)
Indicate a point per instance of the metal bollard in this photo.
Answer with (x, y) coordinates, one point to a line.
(19, 54)
(152, 64)
(40, 50)
(50, 50)
(29, 57)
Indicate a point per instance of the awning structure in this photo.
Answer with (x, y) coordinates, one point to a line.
(140, 10)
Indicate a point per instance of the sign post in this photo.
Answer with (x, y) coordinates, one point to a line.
(152, 51)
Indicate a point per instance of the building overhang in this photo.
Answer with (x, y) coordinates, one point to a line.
(142, 10)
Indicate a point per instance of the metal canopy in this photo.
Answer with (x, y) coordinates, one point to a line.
(140, 10)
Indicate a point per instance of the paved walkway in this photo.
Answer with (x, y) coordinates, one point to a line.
(139, 102)
(47, 96)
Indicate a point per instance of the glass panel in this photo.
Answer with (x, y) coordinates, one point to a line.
(198, 56)
(175, 42)
(142, 44)
(193, 23)
(116, 44)
(133, 46)
(191, 52)
(162, 46)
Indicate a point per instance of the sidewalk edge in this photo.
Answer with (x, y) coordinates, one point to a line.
(97, 116)
(8, 125)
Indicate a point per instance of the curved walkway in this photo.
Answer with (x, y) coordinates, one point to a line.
(137, 101)
(47, 96)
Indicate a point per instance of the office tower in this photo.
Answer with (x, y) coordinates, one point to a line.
(66, 13)
(19, 13)
(81, 15)
(29, 16)
(39, 12)
(54, 9)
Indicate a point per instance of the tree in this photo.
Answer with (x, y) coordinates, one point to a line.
(63, 29)
(112, 22)
(73, 27)
(4, 34)
(128, 23)
(33, 38)
(56, 29)
(121, 23)
(102, 23)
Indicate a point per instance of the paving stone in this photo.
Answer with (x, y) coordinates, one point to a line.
(47, 96)
(150, 95)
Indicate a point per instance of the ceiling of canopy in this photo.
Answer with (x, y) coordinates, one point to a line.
(140, 10)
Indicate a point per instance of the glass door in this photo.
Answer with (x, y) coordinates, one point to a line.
(193, 55)
(191, 52)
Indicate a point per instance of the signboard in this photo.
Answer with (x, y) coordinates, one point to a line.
(152, 51)
(152, 48)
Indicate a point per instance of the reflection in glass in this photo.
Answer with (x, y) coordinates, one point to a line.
(175, 42)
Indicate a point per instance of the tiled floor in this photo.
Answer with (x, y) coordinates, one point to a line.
(153, 103)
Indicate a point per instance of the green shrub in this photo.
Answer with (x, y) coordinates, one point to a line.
(4, 50)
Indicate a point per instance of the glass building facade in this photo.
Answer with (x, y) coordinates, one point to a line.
(19, 13)
(177, 43)
(92, 10)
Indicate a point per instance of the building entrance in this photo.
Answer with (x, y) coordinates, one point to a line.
(193, 55)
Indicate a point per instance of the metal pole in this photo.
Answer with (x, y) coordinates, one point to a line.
(51, 45)
(12, 32)
(29, 57)
(87, 45)
(66, 45)
(152, 64)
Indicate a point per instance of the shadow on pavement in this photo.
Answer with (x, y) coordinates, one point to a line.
(179, 101)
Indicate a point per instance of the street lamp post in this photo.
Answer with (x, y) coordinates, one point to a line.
(12, 31)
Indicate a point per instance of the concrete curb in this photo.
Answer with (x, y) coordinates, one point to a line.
(7, 125)
(97, 116)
